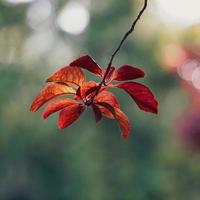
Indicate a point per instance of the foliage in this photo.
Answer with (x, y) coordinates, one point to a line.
(88, 160)
(70, 80)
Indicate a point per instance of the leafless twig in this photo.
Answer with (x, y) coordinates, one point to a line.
(120, 45)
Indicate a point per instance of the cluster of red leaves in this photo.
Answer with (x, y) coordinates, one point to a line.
(70, 80)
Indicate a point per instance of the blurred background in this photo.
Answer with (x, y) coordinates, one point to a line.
(161, 158)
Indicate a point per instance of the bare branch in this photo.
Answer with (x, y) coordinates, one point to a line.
(132, 28)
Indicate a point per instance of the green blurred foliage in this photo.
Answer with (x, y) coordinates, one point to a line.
(89, 160)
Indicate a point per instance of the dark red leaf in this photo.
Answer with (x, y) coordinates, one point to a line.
(110, 73)
(86, 62)
(141, 95)
(92, 90)
(127, 72)
(97, 113)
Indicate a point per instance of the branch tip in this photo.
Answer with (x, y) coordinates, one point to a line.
(132, 28)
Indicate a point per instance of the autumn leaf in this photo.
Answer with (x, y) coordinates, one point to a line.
(57, 105)
(97, 112)
(48, 93)
(109, 98)
(141, 94)
(121, 118)
(127, 72)
(68, 75)
(86, 62)
(91, 94)
(70, 114)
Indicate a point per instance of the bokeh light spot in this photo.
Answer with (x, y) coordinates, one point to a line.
(196, 78)
(186, 70)
(43, 9)
(180, 12)
(18, 1)
(73, 18)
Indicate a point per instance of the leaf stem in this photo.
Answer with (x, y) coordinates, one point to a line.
(132, 28)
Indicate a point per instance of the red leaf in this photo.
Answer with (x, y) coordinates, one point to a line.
(109, 98)
(49, 93)
(110, 73)
(68, 74)
(88, 63)
(141, 95)
(70, 114)
(97, 112)
(127, 72)
(92, 90)
(86, 89)
(121, 118)
(57, 105)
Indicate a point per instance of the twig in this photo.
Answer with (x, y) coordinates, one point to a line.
(120, 45)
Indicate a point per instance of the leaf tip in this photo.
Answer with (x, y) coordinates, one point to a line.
(48, 80)
(32, 108)
(44, 116)
(124, 137)
(61, 125)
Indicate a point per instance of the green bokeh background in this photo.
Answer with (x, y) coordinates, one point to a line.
(89, 161)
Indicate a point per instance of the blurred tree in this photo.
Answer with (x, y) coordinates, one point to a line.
(38, 161)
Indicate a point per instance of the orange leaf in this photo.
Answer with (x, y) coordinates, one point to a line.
(70, 114)
(82, 92)
(68, 74)
(57, 105)
(121, 118)
(49, 93)
(107, 97)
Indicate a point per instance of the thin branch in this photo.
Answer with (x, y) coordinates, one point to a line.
(120, 45)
